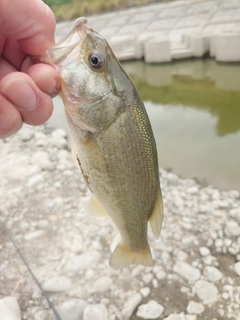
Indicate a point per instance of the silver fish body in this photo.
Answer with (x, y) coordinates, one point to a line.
(112, 140)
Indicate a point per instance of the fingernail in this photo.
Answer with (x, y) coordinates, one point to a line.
(20, 93)
(47, 83)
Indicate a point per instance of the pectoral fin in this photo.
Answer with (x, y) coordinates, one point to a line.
(157, 215)
(124, 256)
(95, 208)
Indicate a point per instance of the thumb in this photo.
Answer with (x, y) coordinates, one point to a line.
(31, 23)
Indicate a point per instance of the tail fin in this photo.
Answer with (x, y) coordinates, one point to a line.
(123, 256)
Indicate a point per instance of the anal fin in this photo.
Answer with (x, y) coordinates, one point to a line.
(156, 217)
(95, 208)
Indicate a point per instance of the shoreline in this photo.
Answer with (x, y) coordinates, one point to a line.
(196, 272)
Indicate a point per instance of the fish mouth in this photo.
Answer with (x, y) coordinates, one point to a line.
(63, 48)
(90, 100)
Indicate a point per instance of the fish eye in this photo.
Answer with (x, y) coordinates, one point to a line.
(96, 60)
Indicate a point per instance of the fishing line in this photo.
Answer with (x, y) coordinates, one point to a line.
(32, 274)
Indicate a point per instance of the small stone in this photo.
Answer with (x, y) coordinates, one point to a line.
(136, 271)
(237, 268)
(26, 135)
(187, 271)
(73, 307)
(95, 311)
(41, 158)
(147, 278)
(195, 307)
(232, 228)
(131, 305)
(59, 133)
(35, 179)
(145, 292)
(206, 291)
(161, 274)
(212, 274)
(57, 284)
(235, 213)
(102, 284)
(41, 315)
(9, 309)
(218, 243)
(83, 261)
(151, 310)
(34, 234)
(204, 251)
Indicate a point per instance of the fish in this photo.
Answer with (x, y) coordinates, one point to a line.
(112, 140)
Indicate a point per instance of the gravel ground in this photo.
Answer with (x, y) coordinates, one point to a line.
(196, 273)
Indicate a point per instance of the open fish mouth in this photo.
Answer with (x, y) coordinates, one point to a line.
(62, 51)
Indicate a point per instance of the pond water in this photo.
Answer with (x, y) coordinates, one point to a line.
(194, 108)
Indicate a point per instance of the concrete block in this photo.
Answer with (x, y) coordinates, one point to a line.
(157, 51)
(202, 7)
(226, 15)
(199, 45)
(123, 46)
(212, 45)
(162, 24)
(193, 21)
(181, 53)
(228, 48)
(173, 12)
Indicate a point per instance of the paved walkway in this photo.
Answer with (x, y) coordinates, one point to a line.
(173, 30)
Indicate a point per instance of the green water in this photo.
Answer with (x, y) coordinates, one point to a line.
(194, 108)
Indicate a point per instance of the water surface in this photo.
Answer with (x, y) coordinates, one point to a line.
(194, 108)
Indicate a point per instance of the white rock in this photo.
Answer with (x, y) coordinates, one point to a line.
(237, 268)
(161, 274)
(235, 213)
(95, 312)
(102, 284)
(232, 228)
(73, 307)
(204, 251)
(131, 305)
(9, 309)
(145, 292)
(34, 234)
(83, 261)
(195, 307)
(218, 243)
(187, 271)
(59, 142)
(57, 284)
(147, 278)
(59, 133)
(41, 315)
(41, 158)
(212, 274)
(151, 310)
(35, 179)
(206, 291)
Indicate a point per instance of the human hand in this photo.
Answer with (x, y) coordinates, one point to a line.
(26, 89)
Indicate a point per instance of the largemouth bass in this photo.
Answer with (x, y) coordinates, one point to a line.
(112, 140)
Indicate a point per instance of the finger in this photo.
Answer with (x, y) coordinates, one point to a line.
(5, 68)
(10, 118)
(20, 90)
(30, 22)
(46, 78)
(13, 53)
